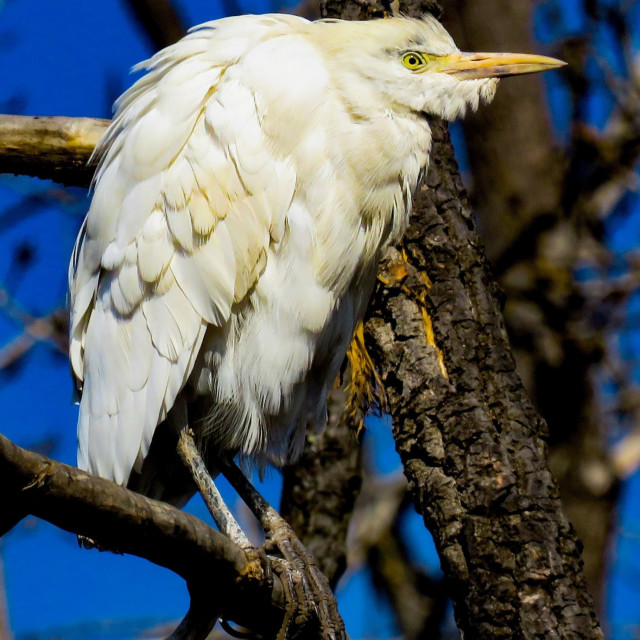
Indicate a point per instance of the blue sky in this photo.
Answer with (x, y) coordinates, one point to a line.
(71, 57)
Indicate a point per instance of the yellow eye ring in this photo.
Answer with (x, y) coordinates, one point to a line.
(413, 60)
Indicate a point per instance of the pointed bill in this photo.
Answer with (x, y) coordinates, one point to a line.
(470, 66)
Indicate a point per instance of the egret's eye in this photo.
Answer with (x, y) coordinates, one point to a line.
(413, 60)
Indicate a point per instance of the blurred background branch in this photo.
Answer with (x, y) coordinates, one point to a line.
(159, 20)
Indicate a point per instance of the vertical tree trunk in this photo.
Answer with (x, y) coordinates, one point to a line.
(520, 183)
(470, 440)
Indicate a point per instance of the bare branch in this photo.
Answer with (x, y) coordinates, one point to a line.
(54, 147)
(159, 19)
(126, 522)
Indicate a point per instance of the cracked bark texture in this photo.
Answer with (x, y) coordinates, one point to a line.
(522, 202)
(470, 440)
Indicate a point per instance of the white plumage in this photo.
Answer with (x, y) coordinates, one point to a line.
(245, 191)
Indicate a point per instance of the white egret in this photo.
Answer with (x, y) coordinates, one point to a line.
(245, 191)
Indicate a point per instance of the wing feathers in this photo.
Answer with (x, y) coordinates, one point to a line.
(189, 195)
(207, 276)
(155, 247)
(180, 226)
(203, 218)
(172, 322)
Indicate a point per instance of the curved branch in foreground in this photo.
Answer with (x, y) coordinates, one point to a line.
(221, 577)
(53, 147)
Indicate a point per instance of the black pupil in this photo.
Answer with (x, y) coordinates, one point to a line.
(413, 60)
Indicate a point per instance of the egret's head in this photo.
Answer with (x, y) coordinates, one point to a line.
(416, 65)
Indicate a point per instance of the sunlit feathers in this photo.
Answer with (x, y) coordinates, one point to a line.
(246, 189)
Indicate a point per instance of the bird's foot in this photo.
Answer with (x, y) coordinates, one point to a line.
(309, 599)
(308, 594)
(297, 602)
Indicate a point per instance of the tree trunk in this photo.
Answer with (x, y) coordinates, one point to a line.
(520, 185)
(469, 438)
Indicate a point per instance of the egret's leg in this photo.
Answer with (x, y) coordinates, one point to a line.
(221, 514)
(306, 588)
(282, 536)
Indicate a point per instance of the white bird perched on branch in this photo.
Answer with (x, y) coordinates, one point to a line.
(246, 189)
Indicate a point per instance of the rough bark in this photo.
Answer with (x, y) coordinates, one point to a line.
(520, 188)
(469, 438)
